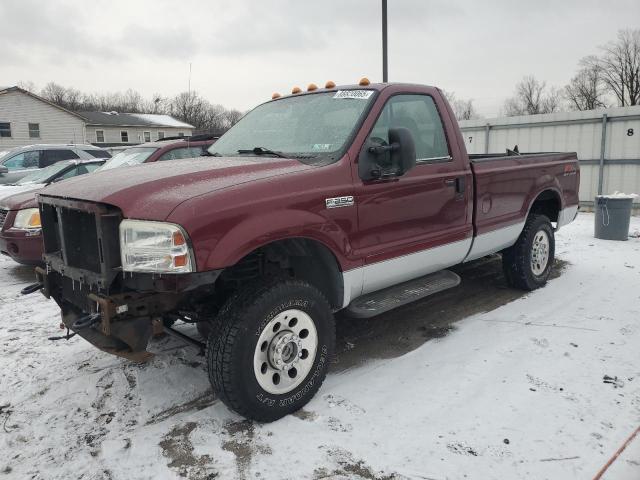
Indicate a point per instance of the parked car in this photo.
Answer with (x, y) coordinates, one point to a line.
(167, 149)
(21, 161)
(40, 178)
(24, 242)
(354, 198)
(20, 230)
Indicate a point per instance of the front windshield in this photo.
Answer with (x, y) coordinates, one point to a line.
(314, 128)
(130, 156)
(42, 176)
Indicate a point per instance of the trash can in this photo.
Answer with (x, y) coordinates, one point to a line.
(613, 215)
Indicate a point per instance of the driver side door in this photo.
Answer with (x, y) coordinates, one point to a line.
(420, 222)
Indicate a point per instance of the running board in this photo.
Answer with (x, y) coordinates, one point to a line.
(375, 303)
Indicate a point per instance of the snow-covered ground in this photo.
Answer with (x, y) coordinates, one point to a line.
(544, 387)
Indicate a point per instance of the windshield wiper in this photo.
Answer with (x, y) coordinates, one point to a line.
(207, 153)
(262, 151)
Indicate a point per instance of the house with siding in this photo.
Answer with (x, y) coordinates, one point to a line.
(110, 129)
(26, 118)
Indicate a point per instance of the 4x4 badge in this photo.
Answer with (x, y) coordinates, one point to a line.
(337, 202)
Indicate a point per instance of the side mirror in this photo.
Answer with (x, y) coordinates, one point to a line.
(380, 161)
(3, 170)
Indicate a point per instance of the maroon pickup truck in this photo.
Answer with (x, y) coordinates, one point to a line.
(356, 197)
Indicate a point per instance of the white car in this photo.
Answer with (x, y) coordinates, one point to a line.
(40, 178)
(22, 161)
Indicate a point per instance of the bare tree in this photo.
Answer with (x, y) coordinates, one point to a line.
(189, 107)
(619, 64)
(231, 117)
(27, 85)
(532, 97)
(587, 90)
(55, 93)
(463, 109)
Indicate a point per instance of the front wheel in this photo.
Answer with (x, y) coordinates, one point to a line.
(273, 348)
(528, 263)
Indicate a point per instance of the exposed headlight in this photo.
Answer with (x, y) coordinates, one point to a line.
(155, 247)
(27, 219)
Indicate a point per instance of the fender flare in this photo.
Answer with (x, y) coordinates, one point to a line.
(257, 232)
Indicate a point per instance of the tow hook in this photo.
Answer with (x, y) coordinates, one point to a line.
(31, 289)
(86, 321)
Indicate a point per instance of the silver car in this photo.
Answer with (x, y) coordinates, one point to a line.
(21, 161)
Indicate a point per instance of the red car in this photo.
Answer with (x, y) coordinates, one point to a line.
(356, 197)
(167, 149)
(20, 232)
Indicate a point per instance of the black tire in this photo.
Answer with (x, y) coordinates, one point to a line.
(230, 352)
(516, 260)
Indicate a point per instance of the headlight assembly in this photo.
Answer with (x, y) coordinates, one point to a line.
(27, 219)
(154, 247)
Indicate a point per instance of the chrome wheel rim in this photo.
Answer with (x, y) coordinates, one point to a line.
(285, 351)
(540, 252)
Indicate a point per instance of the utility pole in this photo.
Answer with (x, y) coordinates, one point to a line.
(385, 73)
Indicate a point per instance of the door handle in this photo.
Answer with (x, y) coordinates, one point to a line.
(460, 183)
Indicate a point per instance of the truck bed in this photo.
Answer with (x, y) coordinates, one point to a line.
(506, 185)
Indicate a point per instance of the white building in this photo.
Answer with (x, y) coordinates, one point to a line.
(26, 118)
(607, 142)
(110, 129)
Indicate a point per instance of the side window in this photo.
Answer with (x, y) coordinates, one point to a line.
(417, 113)
(52, 156)
(180, 153)
(5, 129)
(98, 153)
(91, 167)
(34, 130)
(23, 161)
(70, 173)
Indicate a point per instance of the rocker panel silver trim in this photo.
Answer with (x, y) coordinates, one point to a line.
(370, 278)
(494, 241)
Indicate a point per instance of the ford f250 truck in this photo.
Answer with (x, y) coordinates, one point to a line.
(356, 197)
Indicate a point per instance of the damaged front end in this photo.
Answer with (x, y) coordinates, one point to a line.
(116, 311)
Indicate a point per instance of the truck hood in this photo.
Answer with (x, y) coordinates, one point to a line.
(151, 191)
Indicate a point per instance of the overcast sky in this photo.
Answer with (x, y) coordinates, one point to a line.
(242, 51)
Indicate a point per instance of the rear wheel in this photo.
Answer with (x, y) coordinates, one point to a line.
(273, 348)
(528, 263)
